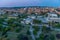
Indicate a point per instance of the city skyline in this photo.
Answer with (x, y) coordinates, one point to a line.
(19, 3)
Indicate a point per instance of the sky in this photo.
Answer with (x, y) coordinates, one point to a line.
(19, 3)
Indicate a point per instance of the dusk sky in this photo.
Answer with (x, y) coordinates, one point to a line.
(19, 3)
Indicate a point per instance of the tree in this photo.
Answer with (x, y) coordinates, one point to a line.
(57, 25)
(22, 37)
(11, 21)
(36, 29)
(46, 29)
(52, 37)
(49, 37)
(1, 27)
(41, 37)
(1, 20)
(18, 30)
(35, 32)
(37, 21)
(28, 32)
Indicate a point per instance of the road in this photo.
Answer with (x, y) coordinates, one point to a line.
(31, 31)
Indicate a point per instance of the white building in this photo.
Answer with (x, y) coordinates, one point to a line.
(27, 20)
(53, 17)
(32, 17)
(2, 12)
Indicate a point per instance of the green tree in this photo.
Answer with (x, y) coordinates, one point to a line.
(41, 37)
(57, 25)
(28, 32)
(22, 37)
(37, 21)
(1, 27)
(36, 29)
(46, 29)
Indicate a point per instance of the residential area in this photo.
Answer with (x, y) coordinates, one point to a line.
(30, 23)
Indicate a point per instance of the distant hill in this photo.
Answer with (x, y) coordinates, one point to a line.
(22, 7)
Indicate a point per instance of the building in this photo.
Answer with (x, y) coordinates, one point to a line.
(30, 10)
(22, 10)
(51, 9)
(37, 10)
(53, 17)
